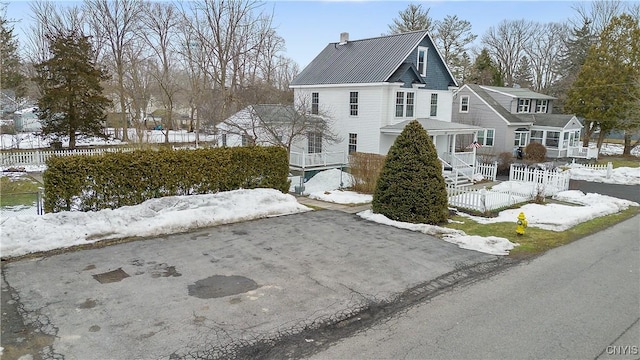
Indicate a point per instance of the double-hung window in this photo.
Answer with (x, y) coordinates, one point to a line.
(353, 143)
(464, 104)
(541, 106)
(405, 104)
(434, 105)
(315, 103)
(552, 140)
(399, 104)
(537, 136)
(353, 103)
(485, 137)
(422, 61)
(524, 105)
(521, 139)
(224, 140)
(314, 145)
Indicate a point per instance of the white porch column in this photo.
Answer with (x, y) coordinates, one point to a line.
(453, 143)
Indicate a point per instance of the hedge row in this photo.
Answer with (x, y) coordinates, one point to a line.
(113, 180)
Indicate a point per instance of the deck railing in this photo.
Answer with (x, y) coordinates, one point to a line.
(324, 159)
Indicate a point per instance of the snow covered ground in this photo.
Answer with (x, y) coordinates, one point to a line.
(25, 234)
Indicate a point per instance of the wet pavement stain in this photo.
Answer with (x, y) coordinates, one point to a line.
(89, 267)
(217, 286)
(94, 328)
(111, 276)
(88, 304)
(164, 270)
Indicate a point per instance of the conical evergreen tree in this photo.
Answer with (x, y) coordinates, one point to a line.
(11, 76)
(485, 71)
(72, 103)
(411, 187)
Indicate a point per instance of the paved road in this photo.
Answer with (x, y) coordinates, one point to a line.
(216, 290)
(629, 192)
(579, 301)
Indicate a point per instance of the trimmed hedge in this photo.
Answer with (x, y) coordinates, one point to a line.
(113, 180)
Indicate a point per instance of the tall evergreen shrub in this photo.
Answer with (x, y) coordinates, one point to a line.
(411, 187)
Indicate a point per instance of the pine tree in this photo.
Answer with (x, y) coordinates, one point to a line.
(72, 103)
(412, 18)
(411, 187)
(11, 76)
(523, 76)
(569, 63)
(606, 92)
(485, 71)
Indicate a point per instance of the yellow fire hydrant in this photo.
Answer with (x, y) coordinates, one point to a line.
(521, 224)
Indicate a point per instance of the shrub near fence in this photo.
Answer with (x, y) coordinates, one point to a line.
(113, 180)
(365, 169)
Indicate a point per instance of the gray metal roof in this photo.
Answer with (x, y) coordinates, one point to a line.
(360, 61)
(431, 125)
(509, 117)
(524, 93)
(552, 120)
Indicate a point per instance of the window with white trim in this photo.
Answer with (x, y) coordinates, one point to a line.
(405, 104)
(399, 104)
(541, 106)
(574, 139)
(353, 143)
(552, 140)
(524, 105)
(537, 136)
(434, 105)
(410, 104)
(464, 104)
(485, 137)
(422, 61)
(224, 140)
(353, 103)
(315, 103)
(314, 143)
(521, 139)
(565, 140)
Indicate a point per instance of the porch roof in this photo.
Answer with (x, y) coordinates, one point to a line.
(433, 127)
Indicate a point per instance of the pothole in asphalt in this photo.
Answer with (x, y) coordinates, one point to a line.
(111, 276)
(220, 286)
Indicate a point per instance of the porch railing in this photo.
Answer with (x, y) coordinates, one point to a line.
(305, 160)
(590, 152)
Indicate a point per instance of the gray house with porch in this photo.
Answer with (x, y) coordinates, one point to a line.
(511, 118)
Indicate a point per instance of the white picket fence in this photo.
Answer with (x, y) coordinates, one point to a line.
(608, 167)
(488, 171)
(40, 157)
(548, 179)
(542, 183)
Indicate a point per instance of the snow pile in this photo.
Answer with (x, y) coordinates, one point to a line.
(559, 217)
(490, 245)
(621, 175)
(342, 197)
(24, 234)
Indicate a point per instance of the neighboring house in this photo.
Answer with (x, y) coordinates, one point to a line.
(511, 118)
(372, 88)
(26, 120)
(8, 102)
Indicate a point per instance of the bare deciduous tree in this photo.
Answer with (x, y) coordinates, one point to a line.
(506, 44)
(453, 36)
(161, 23)
(116, 24)
(544, 52)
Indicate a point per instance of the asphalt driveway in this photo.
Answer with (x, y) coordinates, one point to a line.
(203, 293)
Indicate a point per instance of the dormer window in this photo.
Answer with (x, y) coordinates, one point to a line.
(422, 61)
(541, 106)
(524, 105)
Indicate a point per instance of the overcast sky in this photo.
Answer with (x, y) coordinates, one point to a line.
(308, 26)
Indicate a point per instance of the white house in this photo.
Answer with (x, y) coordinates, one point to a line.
(373, 87)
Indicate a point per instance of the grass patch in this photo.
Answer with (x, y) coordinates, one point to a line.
(18, 191)
(537, 241)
